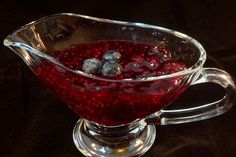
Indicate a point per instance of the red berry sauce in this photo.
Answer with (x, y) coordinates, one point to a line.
(114, 103)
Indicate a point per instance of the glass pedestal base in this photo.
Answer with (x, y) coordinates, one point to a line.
(130, 140)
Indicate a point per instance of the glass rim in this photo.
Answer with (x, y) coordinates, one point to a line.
(194, 68)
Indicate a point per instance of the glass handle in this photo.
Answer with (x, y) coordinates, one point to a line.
(185, 115)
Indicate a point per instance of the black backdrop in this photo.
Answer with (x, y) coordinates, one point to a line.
(33, 122)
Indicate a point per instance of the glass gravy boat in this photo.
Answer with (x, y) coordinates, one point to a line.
(117, 115)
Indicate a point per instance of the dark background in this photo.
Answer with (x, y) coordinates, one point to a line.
(34, 123)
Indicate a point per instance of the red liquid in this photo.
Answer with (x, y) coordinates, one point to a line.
(114, 103)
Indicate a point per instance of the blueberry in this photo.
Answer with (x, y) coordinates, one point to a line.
(111, 55)
(152, 62)
(133, 67)
(161, 51)
(111, 68)
(92, 66)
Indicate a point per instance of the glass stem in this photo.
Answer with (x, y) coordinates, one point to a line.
(114, 134)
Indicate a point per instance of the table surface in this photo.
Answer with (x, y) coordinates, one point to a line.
(34, 123)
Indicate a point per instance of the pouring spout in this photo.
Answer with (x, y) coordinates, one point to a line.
(16, 47)
(24, 51)
(29, 54)
(11, 44)
(7, 42)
